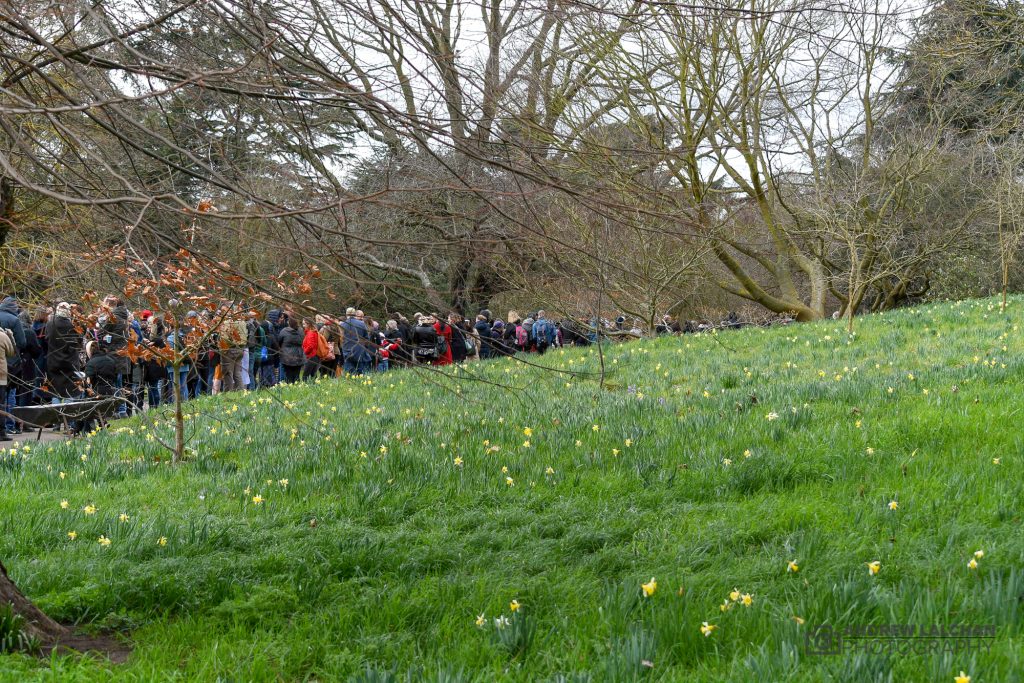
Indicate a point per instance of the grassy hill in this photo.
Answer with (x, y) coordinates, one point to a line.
(358, 528)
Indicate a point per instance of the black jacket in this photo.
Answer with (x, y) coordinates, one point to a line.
(291, 351)
(102, 373)
(459, 352)
(64, 355)
(425, 336)
(116, 325)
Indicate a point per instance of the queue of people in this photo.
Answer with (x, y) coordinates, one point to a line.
(64, 354)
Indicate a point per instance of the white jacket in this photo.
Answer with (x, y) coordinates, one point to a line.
(7, 350)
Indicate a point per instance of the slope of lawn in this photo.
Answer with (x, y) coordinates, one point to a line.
(356, 529)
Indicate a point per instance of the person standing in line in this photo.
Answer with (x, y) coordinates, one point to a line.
(355, 346)
(461, 340)
(483, 328)
(331, 332)
(11, 321)
(64, 356)
(544, 332)
(8, 349)
(234, 336)
(444, 341)
(311, 343)
(292, 355)
(114, 332)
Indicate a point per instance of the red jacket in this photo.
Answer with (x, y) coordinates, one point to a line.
(310, 343)
(387, 346)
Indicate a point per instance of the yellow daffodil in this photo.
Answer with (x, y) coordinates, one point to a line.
(527, 432)
(123, 518)
(628, 442)
(549, 470)
(510, 481)
(973, 564)
(64, 505)
(89, 509)
(514, 605)
(727, 462)
(596, 428)
(707, 628)
(283, 483)
(893, 505)
(162, 541)
(996, 461)
(772, 416)
(873, 567)
(799, 620)
(962, 678)
(257, 499)
(725, 606)
(578, 443)
(72, 535)
(869, 450)
(747, 599)
(104, 541)
(526, 444)
(615, 452)
(734, 595)
(979, 554)
(480, 621)
(458, 461)
(746, 453)
(649, 587)
(792, 566)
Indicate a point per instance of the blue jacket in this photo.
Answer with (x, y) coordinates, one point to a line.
(9, 320)
(544, 330)
(355, 344)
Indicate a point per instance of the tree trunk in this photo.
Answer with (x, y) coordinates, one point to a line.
(179, 418)
(37, 624)
(6, 208)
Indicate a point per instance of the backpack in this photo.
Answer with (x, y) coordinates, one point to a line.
(323, 351)
(521, 337)
(540, 332)
(235, 335)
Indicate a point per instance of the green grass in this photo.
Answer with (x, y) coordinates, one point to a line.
(407, 548)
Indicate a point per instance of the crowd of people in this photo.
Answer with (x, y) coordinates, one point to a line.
(62, 353)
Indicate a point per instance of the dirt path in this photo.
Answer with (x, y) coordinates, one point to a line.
(29, 437)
